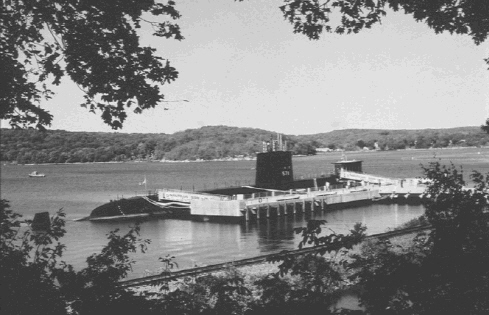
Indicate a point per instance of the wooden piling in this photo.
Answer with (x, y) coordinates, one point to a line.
(268, 210)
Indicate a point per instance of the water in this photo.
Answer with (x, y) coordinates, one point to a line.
(79, 188)
(199, 243)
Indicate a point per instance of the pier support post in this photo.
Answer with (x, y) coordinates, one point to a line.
(285, 208)
(268, 211)
(278, 209)
(322, 204)
(294, 207)
(313, 204)
(258, 212)
(304, 205)
(247, 212)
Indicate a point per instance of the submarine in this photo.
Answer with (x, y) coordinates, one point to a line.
(274, 172)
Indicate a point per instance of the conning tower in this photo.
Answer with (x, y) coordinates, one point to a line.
(274, 165)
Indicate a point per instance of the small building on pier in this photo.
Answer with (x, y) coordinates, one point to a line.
(350, 166)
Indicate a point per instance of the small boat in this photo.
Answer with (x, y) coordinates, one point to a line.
(36, 174)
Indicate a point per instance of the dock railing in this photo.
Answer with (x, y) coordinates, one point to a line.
(276, 193)
(188, 195)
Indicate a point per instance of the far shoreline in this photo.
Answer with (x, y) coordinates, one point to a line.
(230, 159)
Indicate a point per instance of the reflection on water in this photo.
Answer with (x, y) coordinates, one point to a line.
(202, 243)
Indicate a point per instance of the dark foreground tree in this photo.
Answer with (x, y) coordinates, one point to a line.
(445, 271)
(94, 43)
(34, 279)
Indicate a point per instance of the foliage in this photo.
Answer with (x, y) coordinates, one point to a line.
(95, 44)
(94, 289)
(223, 293)
(313, 17)
(486, 126)
(29, 265)
(415, 222)
(208, 143)
(400, 139)
(388, 276)
(35, 280)
(318, 277)
(312, 286)
(444, 272)
(328, 243)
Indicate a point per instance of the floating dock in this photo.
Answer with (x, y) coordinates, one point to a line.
(390, 189)
(277, 194)
(356, 188)
(278, 203)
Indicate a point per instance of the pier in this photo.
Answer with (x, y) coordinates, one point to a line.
(276, 193)
(278, 203)
(392, 188)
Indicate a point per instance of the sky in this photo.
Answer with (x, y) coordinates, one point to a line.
(241, 65)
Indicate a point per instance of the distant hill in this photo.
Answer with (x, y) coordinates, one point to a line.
(351, 139)
(212, 142)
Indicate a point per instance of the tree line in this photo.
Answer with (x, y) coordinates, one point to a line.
(212, 142)
(384, 139)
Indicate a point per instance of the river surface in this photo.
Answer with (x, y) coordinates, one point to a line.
(79, 188)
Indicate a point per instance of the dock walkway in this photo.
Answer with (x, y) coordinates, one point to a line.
(278, 203)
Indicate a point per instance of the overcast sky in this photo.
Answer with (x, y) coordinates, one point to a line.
(241, 65)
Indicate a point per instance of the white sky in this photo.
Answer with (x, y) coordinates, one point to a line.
(241, 65)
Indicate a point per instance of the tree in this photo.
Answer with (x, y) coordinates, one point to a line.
(24, 258)
(443, 272)
(95, 44)
(36, 281)
(313, 17)
(486, 126)
(319, 273)
(361, 144)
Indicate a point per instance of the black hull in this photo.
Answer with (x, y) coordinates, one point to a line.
(139, 208)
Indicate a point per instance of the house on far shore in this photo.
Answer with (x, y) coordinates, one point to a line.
(323, 150)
